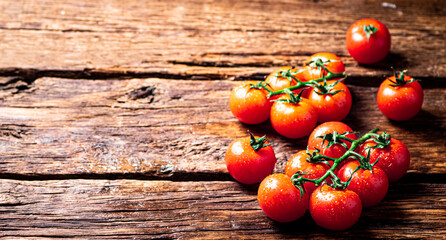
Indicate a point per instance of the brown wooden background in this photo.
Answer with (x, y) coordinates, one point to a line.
(114, 114)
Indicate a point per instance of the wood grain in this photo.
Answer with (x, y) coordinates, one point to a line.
(211, 39)
(103, 209)
(177, 130)
(118, 113)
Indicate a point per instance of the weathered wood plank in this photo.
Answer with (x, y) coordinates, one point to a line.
(119, 209)
(64, 128)
(212, 39)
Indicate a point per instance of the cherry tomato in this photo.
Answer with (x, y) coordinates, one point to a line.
(371, 187)
(276, 81)
(250, 105)
(335, 209)
(293, 120)
(248, 165)
(368, 41)
(332, 62)
(393, 159)
(331, 107)
(336, 150)
(280, 199)
(400, 102)
(298, 162)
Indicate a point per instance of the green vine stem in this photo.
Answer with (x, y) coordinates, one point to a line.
(381, 140)
(300, 84)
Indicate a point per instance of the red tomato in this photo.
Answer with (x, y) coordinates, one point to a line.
(336, 150)
(400, 102)
(280, 199)
(370, 187)
(368, 41)
(298, 162)
(393, 159)
(332, 62)
(293, 120)
(331, 107)
(276, 81)
(335, 209)
(247, 165)
(250, 105)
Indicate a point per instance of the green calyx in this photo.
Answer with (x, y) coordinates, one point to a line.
(369, 31)
(327, 89)
(289, 74)
(381, 140)
(336, 138)
(257, 143)
(292, 97)
(259, 85)
(320, 63)
(399, 79)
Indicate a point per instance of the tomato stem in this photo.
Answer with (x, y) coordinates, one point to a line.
(399, 79)
(311, 83)
(381, 140)
(257, 143)
(369, 31)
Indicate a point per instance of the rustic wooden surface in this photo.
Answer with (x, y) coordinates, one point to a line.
(114, 115)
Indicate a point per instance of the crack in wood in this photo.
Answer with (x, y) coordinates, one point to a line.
(143, 92)
(13, 130)
(30, 74)
(225, 64)
(183, 177)
(22, 78)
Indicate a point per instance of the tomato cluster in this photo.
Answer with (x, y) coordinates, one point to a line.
(295, 99)
(334, 178)
(338, 174)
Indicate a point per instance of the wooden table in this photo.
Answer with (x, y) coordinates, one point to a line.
(114, 115)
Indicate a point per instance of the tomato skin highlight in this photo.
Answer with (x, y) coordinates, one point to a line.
(335, 209)
(394, 159)
(249, 105)
(298, 162)
(332, 107)
(372, 50)
(336, 150)
(293, 120)
(247, 165)
(280, 200)
(371, 187)
(400, 103)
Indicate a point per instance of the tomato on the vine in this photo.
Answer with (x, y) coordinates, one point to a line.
(250, 159)
(330, 61)
(298, 162)
(368, 41)
(315, 141)
(277, 80)
(249, 103)
(280, 199)
(332, 100)
(335, 209)
(393, 159)
(400, 97)
(371, 186)
(293, 118)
